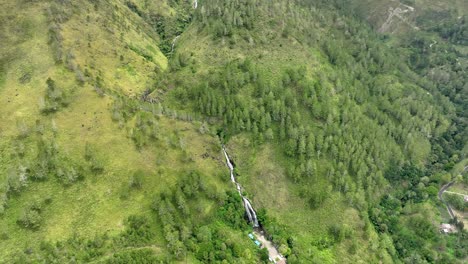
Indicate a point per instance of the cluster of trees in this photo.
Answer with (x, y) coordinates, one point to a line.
(282, 112)
(49, 162)
(141, 119)
(122, 110)
(145, 129)
(457, 201)
(166, 26)
(440, 62)
(368, 114)
(402, 216)
(278, 233)
(54, 99)
(31, 216)
(138, 232)
(57, 14)
(132, 245)
(207, 239)
(43, 161)
(448, 24)
(224, 17)
(368, 103)
(143, 256)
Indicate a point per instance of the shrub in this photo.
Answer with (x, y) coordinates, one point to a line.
(137, 179)
(31, 217)
(139, 256)
(3, 202)
(54, 98)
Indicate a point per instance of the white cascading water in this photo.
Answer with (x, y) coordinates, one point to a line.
(173, 43)
(251, 214)
(231, 168)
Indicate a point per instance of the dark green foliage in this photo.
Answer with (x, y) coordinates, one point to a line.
(137, 232)
(223, 18)
(422, 227)
(55, 35)
(168, 27)
(264, 255)
(277, 111)
(232, 212)
(3, 70)
(323, 243)
(460, 244)
(337, 232)
(3, 202)
(317, 197)
(54, 99)
(123, 109)
(68, 174)
(457, 201)
(31, 216)
(277, 232)
(207, 239)
(145, 130)
(75, 248)
(141, 52)
(134, 8)
(130, 246)
(137, 179)
(439, 61)
(413, 235)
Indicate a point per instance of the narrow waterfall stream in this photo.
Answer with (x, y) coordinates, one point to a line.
(251, 214)
(194, 5)
(173, 43)
(273, 253)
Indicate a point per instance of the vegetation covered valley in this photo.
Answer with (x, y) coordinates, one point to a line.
(343, 128)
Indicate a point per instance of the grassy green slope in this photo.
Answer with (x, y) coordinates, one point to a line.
(96, 53)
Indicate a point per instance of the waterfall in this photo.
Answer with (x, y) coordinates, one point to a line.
(231, 168)
(173, 43)
(251, 214)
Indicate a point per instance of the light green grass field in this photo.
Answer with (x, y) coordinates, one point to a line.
(95, 205)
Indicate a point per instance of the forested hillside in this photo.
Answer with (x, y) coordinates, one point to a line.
(114, 114)
(436, 49)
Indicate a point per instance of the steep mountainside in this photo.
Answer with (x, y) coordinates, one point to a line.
(114, 113)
